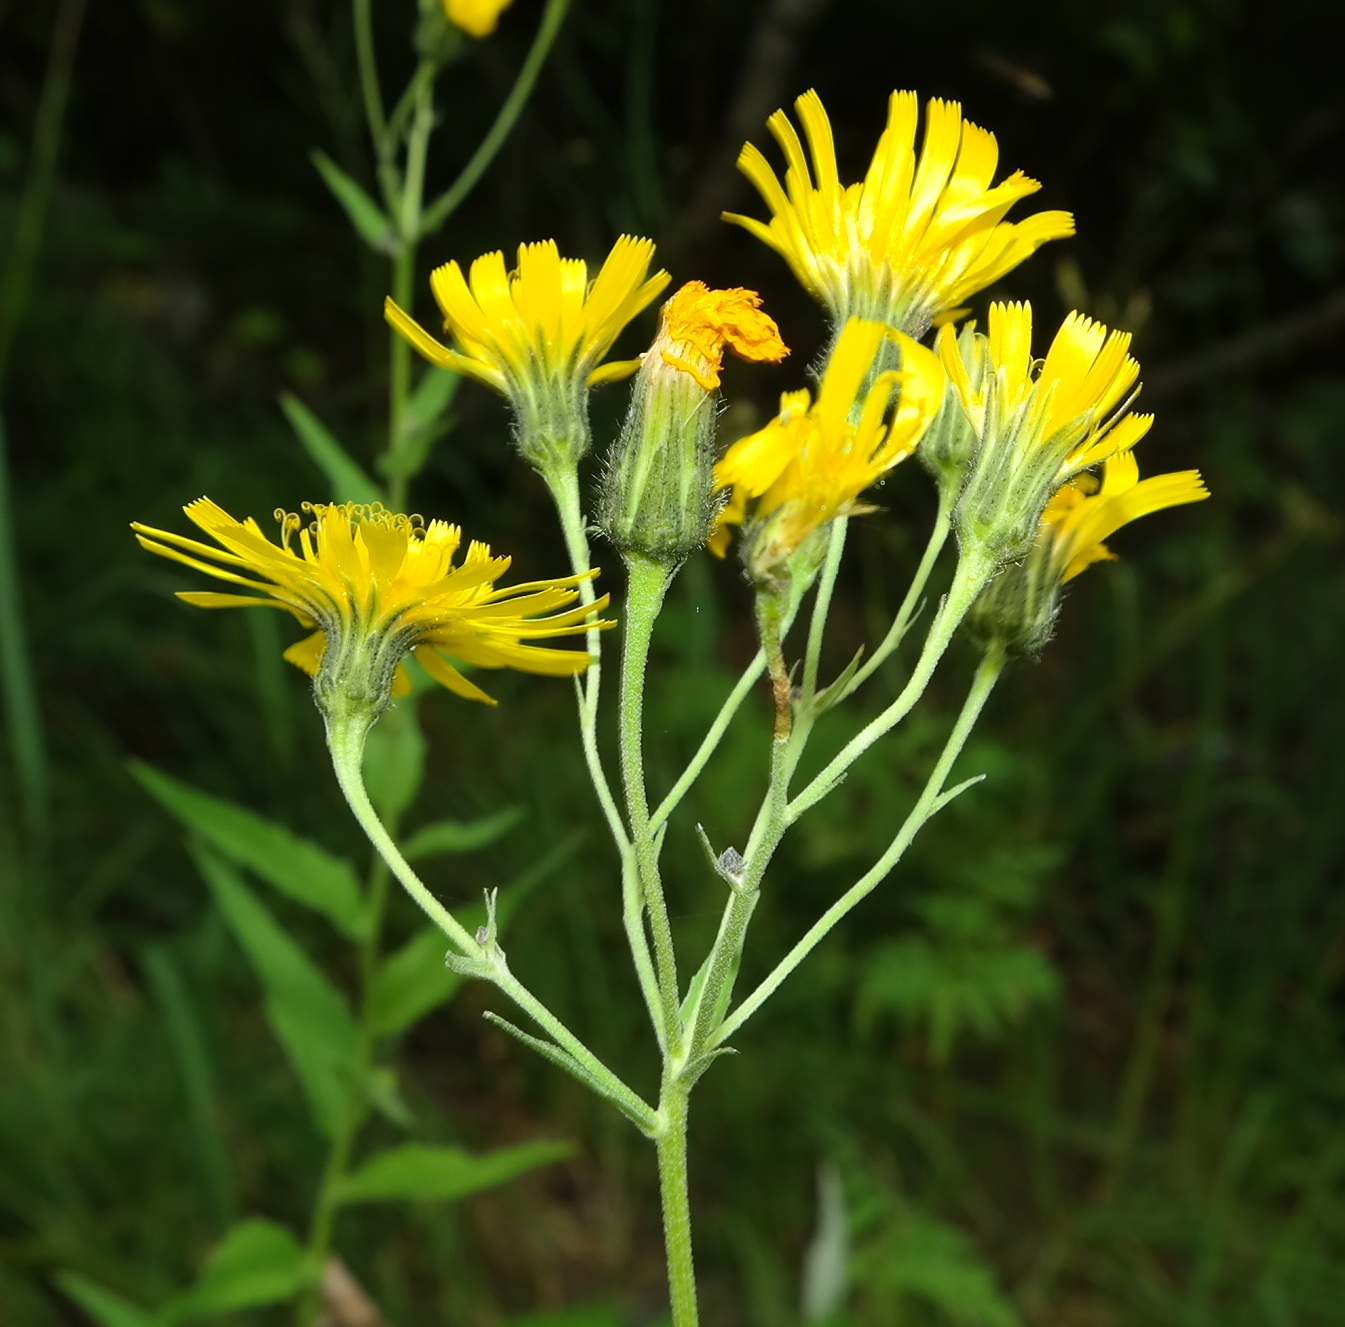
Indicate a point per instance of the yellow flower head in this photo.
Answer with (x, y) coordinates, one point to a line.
(1038, 423)
(913, 239)
(1019, 607)
(373, 587)
(538, 334)
(477, 17)
(698, 324)
(1086, 511)
(810, 464)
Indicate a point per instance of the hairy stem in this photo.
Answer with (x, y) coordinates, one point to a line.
(671, 1142)
(479, 956)
(647, 586)
(973, 571)
(931, 800)
(901, 624)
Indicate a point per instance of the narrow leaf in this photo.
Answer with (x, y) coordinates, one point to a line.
(297, 868)
(105, 1308)
(433, 395)
(446, 836)
(308, 1014)
(640, 1113)
(442, 1174)
(365, 215)
(345, 477)
(256, 1263)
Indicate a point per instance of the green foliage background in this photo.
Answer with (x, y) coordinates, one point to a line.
(1079, 1063)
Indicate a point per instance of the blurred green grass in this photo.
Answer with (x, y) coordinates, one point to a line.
(1159, 1143)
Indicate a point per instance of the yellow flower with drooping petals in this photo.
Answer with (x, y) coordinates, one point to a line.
(538, 335)
(912, 240)
(1087, 511)
(372, 587)
(477, 17)
(1038, 423)
(810, 464)
(1017, 611)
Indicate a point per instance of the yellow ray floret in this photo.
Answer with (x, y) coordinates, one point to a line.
(811, 463)
(520, 331)
(914, 238)
(1074, 403)
(477, 17)
(698, 324)
(1086, 511)
(369, 582)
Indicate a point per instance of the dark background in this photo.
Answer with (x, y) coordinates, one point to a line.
(1133, 1117)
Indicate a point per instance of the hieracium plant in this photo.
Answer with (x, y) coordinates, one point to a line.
(1031, 448)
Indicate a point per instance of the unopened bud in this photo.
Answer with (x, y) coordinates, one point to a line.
(656, 498)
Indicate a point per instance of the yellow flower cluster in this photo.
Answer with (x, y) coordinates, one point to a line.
(888, 256)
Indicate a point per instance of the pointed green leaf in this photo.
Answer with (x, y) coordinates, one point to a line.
(424, 421)
(442, 1174)
(445, 836)
(345, 477)
(433, 395)
(105, 1308)
(410, 983)
(258, 1262)
(365, 215)
(308, 1014)
(297, 868)
(394, 760)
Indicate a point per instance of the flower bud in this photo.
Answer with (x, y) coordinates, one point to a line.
(1018, 609)
(657, 494)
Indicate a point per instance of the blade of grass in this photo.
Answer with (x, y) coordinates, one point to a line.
(22, 715)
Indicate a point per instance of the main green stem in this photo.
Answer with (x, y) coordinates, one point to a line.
(671, 1142)
(647, 585)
